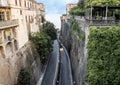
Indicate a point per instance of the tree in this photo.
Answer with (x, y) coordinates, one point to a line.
(43, 40)
(81, 4)
(77, 11)
(43, 45)
(50, 30)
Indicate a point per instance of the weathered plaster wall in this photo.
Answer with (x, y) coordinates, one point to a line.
(10, 67)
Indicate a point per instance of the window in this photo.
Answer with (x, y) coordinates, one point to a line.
(28, 4)
(20, 2)
(20, 12)
(32, 19)
(2, 16)
(25, 3)
(26, 18)
(8, 15)
(0, 37)
(29, 18)
(15, 2)
(4, 35)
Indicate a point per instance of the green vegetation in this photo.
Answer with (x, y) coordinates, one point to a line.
(76, 30)
(43, 45)
(49, 29)
(43, 41)
(24, 77)
(103, 2)
(81, 4)
(103, 67)
(77, 11)
(80, 10)
(117, 12)
(42, 19)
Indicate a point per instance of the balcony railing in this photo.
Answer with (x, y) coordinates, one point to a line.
(103, 22)
(9, 23)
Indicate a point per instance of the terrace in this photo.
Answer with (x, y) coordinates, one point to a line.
(103, 16)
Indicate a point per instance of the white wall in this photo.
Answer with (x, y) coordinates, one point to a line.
(22, 36)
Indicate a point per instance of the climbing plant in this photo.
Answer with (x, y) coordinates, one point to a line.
(103, 2)
(103, 67)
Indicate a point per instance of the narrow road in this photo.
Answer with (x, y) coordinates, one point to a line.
(65, 73)
(52, 67)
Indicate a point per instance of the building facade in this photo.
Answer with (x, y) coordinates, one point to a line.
(18, 18)
(40, 13)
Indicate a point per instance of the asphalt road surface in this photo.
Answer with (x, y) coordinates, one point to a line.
(65, 73)
(50, 73)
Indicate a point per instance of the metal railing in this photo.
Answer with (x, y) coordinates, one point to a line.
(8, 23)
(103, 22)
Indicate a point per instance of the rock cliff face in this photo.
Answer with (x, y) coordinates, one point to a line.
(77, 51)
(10, 67)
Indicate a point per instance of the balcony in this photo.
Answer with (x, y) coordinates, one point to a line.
(8, 23)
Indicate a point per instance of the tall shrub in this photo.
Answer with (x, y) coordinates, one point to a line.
(49, 29)
(103, 66)
(43, 45)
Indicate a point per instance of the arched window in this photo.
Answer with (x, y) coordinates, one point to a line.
(15, 2)
(15, 45)
(9, 50)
